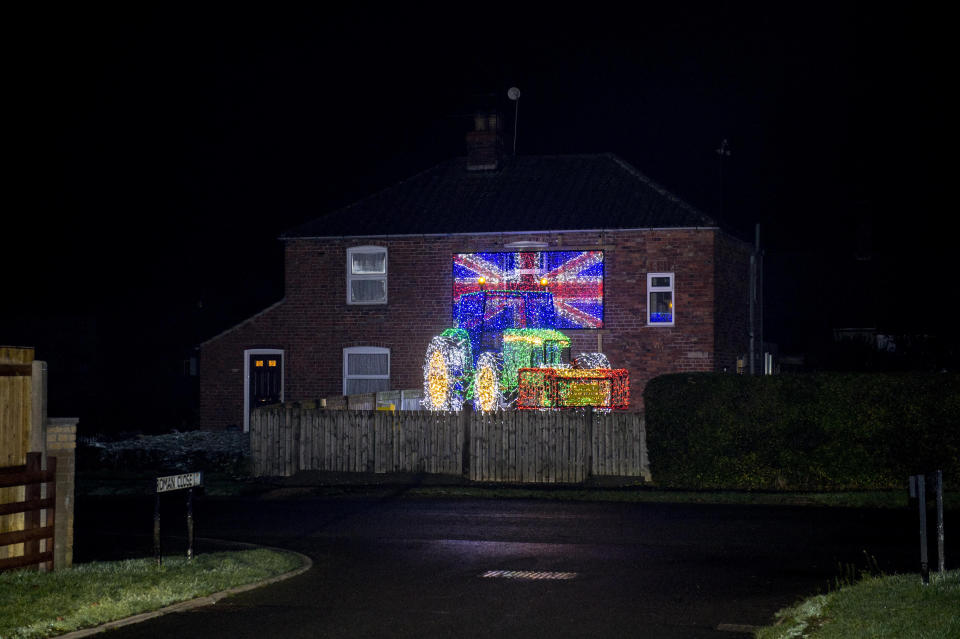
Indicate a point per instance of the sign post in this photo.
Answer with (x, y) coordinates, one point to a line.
(186, 481)
(156, 531)
(922, 500)
(918, 490)
(941, 563)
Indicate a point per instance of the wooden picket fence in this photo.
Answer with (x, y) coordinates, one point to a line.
(285, 439)
(511, 446)
(552, 447)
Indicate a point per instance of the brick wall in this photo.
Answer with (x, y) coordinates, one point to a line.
(221, 366)
(314, 323)
(62, 443)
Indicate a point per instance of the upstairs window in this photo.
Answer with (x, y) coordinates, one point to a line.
(660, 299)
(366, 369)
(367, 275)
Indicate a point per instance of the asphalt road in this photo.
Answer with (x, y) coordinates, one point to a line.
(393, 567)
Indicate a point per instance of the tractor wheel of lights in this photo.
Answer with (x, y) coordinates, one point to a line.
(486, 385)
(443, 384)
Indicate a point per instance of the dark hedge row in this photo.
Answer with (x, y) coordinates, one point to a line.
(809, 432)
(209, 451)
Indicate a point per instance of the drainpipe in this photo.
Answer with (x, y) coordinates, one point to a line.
(754, 267)
(760, 293)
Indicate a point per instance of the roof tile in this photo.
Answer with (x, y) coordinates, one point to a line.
(528, 193)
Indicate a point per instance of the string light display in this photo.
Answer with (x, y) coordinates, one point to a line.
(545, 388)
(487, 312)
(447, 370)
(486, 388)
(574, 279)
(533, 366)
(523, 348)
(591, 360)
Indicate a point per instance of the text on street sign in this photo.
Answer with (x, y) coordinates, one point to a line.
(179, 482)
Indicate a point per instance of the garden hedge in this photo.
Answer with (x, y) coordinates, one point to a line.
(819, 431)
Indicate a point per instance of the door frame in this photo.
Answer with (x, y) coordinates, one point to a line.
(246, 378)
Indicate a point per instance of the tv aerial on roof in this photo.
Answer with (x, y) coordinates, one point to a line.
(514, 94)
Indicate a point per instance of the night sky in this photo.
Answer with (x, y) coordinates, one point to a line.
(159, 152)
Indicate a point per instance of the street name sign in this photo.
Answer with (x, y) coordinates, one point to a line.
(179, 482)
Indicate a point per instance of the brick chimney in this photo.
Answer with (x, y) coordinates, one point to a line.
(484, 146)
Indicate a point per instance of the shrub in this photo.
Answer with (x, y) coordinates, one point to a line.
(805, 431)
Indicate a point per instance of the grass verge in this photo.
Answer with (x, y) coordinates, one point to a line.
(107, 484)
(35, 604)
(896, 606)
(864, 499)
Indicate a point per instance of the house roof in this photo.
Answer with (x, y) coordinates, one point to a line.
(527, 193)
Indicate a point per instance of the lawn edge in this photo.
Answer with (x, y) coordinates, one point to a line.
(197, 602)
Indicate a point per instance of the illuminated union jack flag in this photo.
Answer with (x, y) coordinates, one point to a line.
(574, 278)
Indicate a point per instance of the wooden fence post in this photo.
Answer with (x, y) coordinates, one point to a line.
(466, 422)
(588, 417)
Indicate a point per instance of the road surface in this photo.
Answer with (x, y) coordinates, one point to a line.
(396, 567)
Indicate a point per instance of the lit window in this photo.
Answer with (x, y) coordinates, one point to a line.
(367, 275)
(366, 369)
(660, 299)
(258, 363)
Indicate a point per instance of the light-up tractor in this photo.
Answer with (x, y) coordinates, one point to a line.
(526, 367)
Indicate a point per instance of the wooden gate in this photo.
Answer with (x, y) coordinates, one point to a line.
(30, 476)
(16, 406)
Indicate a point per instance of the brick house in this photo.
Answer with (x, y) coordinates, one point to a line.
(368, 286)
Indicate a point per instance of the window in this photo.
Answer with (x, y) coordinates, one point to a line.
(660, 299)
(366, 369)
(367, 275)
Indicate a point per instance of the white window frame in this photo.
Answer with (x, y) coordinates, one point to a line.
(364, 350)
(246, 378)
(351, 276)
(651, 289)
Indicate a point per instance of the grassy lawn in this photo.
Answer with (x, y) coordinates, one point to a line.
(897, 606)
(35, 604)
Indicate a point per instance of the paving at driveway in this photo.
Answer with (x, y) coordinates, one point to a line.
(477, 568)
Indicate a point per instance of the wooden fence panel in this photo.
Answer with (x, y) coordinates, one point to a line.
(271, 441)
(257, 453)
(506, 446)
(383, 448)
(393, 457)
(620, 448)
(262, 434)
(411, 441)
